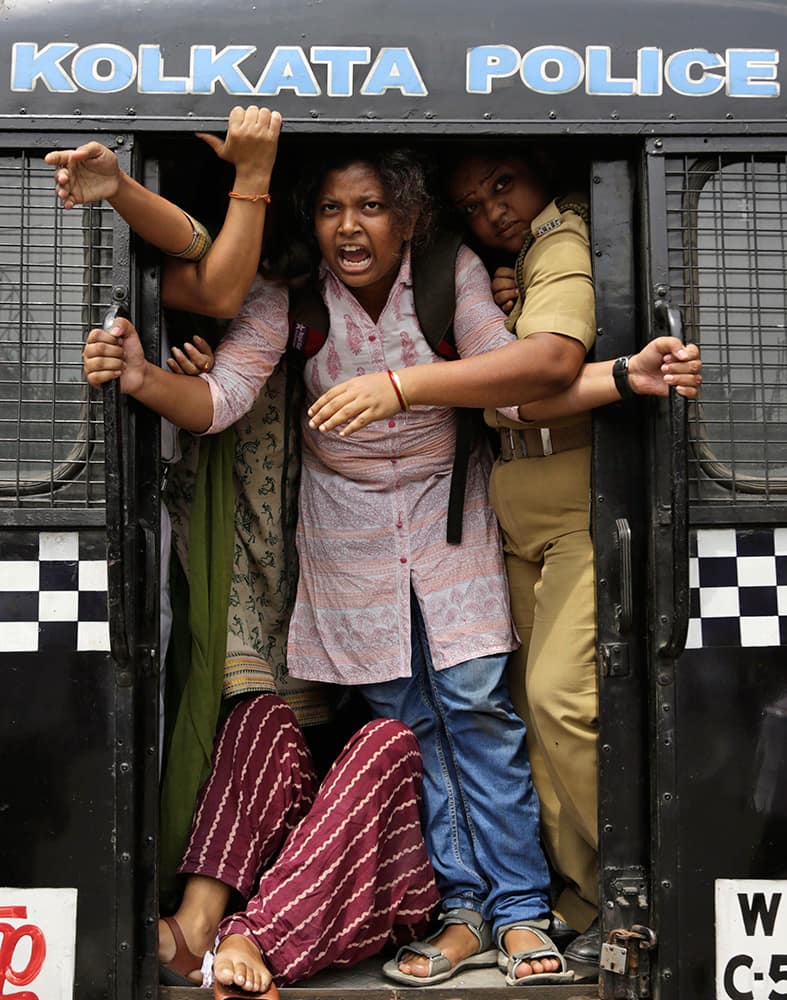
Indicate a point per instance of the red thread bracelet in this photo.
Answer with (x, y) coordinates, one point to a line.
(251, 197)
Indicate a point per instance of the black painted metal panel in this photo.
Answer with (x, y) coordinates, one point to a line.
(731, 816)
(625, 63)
(619, 530)
(59, 725)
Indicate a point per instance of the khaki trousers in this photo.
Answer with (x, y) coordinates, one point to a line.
(543, 508)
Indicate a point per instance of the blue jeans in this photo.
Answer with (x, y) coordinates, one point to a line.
(480, 809)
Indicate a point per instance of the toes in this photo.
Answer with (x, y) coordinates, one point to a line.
(241, 973)
(224, 973)
(411, 965)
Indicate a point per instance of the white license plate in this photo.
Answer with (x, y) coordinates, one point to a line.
(751, 939)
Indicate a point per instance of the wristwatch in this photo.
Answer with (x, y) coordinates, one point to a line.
(620, 373)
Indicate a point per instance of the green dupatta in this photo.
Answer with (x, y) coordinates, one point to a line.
(197, 663)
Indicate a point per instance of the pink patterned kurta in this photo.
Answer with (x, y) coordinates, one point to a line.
(373, 506)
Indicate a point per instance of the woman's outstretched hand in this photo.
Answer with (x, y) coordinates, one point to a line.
(355, 403)
(84, 175)
(663, 363)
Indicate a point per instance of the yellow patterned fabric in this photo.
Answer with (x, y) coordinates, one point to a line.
(262, 587)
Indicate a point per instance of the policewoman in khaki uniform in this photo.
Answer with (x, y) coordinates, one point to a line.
(541, 492)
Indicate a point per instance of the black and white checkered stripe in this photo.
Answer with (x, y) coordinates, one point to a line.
(738, 580)
(53, 592)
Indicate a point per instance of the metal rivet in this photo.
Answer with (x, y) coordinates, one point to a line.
(552, 115)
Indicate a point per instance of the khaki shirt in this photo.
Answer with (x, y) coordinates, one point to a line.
(558, 287)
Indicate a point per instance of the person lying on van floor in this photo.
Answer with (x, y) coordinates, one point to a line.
(540, 487)
(249, 612)
(422, 627)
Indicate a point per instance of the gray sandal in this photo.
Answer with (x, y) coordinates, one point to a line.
(547, 949)
(440, 967)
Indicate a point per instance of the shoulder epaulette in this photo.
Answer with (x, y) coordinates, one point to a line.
(566, 203)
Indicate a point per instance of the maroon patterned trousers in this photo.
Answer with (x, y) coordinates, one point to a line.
(330, 873)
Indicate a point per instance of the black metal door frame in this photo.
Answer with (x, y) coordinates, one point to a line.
(133, 456)
(620, 542)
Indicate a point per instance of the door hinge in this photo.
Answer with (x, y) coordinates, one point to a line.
(614, 659)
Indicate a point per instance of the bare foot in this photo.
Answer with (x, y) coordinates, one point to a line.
(197, 942)
(457, 942)
(521, 939)
(238, 962)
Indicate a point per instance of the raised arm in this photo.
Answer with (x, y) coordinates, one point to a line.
(219, 283)
(215, 283)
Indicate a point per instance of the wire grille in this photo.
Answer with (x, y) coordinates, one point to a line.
(727, 231)
(55, 282)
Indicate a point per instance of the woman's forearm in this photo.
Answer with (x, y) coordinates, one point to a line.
(152, 217)
(594, 386)
(182, 399)
(520, 372)
(218, 284)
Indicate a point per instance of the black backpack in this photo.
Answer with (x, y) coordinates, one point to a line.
(434, 292)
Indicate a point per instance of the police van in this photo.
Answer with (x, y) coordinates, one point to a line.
(679, 113)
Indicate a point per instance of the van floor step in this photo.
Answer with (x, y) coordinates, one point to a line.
(366, 982)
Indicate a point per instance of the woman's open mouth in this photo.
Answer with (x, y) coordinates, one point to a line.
(354, 257)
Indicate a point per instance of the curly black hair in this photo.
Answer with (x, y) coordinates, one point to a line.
(403, 178)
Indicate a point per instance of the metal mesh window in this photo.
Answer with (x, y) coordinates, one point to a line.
(727, 221)
(55, 282)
